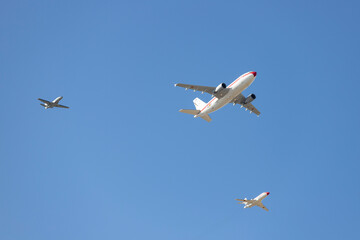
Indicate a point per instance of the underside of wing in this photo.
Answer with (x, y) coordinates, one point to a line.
(263, 207)
(190, 111)
(206, 117)
(245, 200)
(240, 99)
(61, 106)
(44, 101)
(206, 89)
(251, 108)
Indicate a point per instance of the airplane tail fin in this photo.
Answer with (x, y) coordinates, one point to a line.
(199, 104)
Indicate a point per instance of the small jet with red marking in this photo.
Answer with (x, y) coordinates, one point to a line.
(255, 202)
(222, 95)
(47, 104)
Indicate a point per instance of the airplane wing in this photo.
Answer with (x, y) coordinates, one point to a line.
(209, 90)
(61, 106)
(245, 200)
(44, 101)
(240, 99)
(262, 206)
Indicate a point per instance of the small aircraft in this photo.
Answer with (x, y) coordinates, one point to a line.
(222, 95)
(55, 103)
(255, 202)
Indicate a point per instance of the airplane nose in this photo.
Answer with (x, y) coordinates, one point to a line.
(267, 193)
(254, 73)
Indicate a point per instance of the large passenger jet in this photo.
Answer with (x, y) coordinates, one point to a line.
(222, 95)
(47, 104)
(255, 202)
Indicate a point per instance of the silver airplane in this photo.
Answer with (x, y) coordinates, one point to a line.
(55, 103)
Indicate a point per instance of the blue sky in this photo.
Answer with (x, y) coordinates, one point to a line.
(123, 163)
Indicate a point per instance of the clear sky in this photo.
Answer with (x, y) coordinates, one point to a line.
(123, 163)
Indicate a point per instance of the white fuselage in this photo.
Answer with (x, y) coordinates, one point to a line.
(257, 200)
(235, 88)
(262, 196)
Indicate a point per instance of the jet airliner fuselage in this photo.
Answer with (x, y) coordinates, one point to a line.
(222, 95)
(235, 88)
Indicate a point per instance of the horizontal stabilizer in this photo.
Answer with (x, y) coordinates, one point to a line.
(206, 117)
(190, 111)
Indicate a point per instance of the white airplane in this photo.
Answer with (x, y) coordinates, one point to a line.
(222, 95)
(255, 202)
(55, 103)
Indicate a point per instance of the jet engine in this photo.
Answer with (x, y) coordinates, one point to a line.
(219, 88)
(250, 98)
